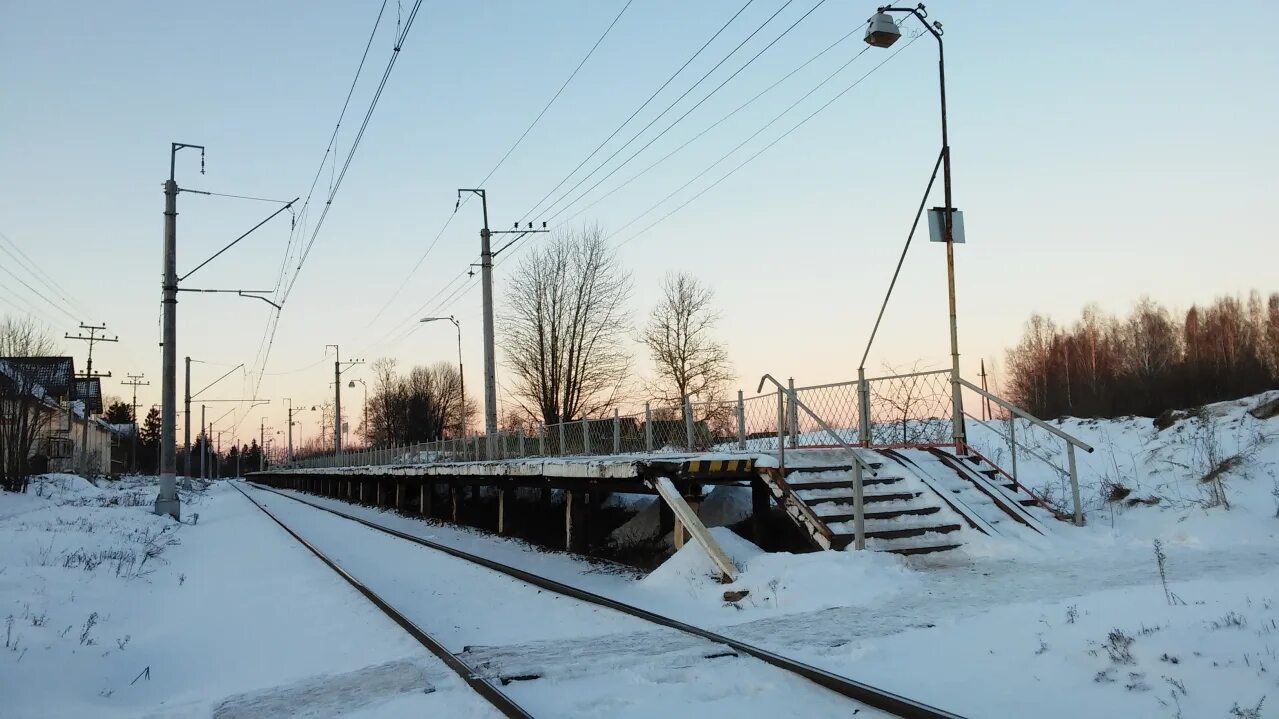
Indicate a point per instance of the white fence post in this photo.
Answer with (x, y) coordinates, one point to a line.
(617, 433)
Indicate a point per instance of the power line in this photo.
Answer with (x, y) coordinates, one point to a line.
(37, 273)
(759, 152)
(793, 105)
(687, 112)
(268, 335)
(355, 146)
(274, 323)
(639, 109)
(715, 124)
(333, 138)
(503, 159)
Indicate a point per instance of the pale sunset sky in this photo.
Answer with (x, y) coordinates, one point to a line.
(1101, 152)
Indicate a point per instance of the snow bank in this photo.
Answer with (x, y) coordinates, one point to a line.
(60, 486)
(781, 582)
(1200, 651)
(1143, 483)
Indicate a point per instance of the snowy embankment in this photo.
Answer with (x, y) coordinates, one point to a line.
(110, 611)
(1210, 479)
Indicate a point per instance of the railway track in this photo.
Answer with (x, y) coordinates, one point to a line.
(474, 675)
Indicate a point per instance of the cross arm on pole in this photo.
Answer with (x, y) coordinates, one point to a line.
(236, 240)
(228, 374)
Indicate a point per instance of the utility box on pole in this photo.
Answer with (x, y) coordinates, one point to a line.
(937, 224)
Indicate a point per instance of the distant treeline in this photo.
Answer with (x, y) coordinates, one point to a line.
(1105, 366)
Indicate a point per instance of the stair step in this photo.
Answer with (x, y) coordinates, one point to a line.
(1028, 502)
(822, 484)
(992, 473)
(866, 498)
(908, 531)
(880, 514)
(846, 483)
(906, 551)
(911, 531)
(817, 470)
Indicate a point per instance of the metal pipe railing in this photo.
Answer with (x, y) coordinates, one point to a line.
(1071, 443)
(860, 466)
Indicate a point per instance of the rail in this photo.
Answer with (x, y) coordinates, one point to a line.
(469, 674)
(1071, 443)
(859, 465)
(851, 688)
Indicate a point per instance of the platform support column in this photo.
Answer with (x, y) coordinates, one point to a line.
(760, 500)
(453, 499)
(501, 510)
(665, 518)
(575, 520)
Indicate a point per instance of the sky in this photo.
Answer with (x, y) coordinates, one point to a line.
(1101, 154)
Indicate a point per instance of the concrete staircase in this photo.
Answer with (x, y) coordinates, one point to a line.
(916, 501)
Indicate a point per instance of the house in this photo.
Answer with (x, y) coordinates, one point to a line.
(67, 437)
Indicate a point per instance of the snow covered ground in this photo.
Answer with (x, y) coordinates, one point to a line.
(232, 619)
(111, 611)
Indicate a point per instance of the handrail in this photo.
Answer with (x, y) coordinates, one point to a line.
(854, 382)
(859, 465)
(1027, 416)
(1071, 443)
(1026, 447)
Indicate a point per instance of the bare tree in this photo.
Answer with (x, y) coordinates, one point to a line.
(916, 404)
(688, 360)
(422, 406)
(24, 409)
(565, 327)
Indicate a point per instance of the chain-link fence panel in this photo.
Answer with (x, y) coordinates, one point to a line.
(911, 409)
(835, 404)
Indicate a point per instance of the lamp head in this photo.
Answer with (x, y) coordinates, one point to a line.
(882, 31)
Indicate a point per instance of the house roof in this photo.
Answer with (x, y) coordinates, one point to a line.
(54, 374)
(89, 389)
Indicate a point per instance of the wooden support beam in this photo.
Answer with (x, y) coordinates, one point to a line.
(687, 516)
(399, 495)
(453, 499)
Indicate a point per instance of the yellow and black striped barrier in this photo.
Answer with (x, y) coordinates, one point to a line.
(719, 466)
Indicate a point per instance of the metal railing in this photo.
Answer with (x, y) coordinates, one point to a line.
(1071, 443)
(787, 397)
(912, 409)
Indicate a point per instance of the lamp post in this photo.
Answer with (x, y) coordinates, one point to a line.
(351, 384)
(881, 31)
(461, 375)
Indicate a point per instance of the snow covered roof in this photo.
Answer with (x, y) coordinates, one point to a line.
(89, 389)
(54, 374)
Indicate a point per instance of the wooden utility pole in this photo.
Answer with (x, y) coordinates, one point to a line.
(87, 375)
(135, 381)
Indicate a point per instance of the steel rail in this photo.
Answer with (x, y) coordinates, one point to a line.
(468, 674)
(872, 696)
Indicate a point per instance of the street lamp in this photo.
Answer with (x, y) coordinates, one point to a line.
(881, 31)
(351, 384)
(460, 374)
